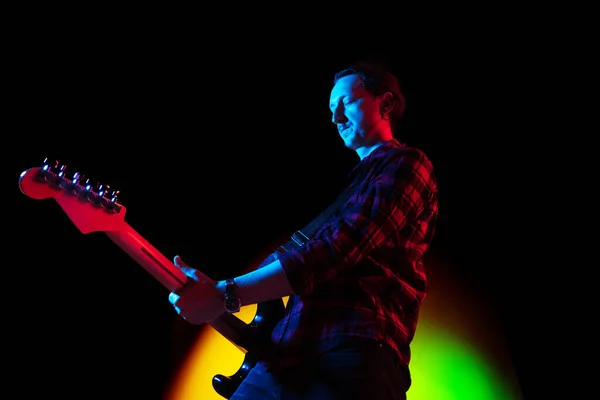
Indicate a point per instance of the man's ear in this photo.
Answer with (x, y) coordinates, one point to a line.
(390, 102)
(387, 103)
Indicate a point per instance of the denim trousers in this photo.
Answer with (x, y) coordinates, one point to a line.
(360, 371)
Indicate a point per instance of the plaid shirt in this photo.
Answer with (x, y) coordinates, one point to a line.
(361, 274)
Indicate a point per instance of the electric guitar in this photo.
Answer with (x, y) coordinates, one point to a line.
(95, 208)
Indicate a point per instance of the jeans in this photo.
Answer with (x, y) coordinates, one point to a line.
(361, 371)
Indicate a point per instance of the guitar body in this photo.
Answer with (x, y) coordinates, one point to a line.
(259, 330)
(96, 209)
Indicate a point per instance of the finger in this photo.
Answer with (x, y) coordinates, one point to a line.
(173, 297)
(190, 271)
(179, 262)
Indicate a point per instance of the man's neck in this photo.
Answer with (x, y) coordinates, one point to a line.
(364, 151)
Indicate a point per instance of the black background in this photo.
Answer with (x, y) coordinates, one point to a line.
(221, 149)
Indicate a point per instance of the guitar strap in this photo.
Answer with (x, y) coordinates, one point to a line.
(300, 237)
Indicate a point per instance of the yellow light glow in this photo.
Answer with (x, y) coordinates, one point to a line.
(458, 352)
(212, 354)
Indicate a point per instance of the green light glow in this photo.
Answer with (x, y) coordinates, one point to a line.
(459, 350)
(445, 367)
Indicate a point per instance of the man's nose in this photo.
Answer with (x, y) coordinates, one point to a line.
(338, 116)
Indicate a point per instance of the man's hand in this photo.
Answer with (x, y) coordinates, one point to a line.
(201, 299)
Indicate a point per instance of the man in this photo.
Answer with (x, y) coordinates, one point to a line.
(356, 286)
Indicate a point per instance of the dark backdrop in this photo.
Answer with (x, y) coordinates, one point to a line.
(220, 152)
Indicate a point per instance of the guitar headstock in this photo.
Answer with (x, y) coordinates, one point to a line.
(91, 207)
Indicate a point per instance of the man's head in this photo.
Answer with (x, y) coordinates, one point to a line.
(366, 103)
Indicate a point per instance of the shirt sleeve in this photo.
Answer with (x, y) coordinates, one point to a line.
(394, 195)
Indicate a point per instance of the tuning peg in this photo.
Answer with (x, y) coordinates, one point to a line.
(78, 181)
(52, 165)
(52, 171)
(62, 169)
(48, 163)
(100, 189)
(109, 199)
(68, 181)
(101, 195)
(83, 188)
(77, 178)
(112, 195)
(62, 179)
(87, 185)
(90, 190)
(104, 196)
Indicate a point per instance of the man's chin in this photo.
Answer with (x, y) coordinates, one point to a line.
(350, 143)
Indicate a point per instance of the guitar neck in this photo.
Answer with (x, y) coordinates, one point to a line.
(167, 273)
(148, 257)
(90, 215)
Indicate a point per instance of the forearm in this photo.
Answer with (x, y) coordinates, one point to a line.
(267, 283)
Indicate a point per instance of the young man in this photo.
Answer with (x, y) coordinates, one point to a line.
(357, 285)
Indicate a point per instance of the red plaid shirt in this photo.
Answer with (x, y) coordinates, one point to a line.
(361, 274)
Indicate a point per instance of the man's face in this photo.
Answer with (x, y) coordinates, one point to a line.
(356, 112)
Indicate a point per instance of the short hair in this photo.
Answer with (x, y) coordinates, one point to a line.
(377, 79)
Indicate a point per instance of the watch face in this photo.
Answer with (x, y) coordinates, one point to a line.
(232, 303)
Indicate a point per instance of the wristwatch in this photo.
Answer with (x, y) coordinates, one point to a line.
(232, 299)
